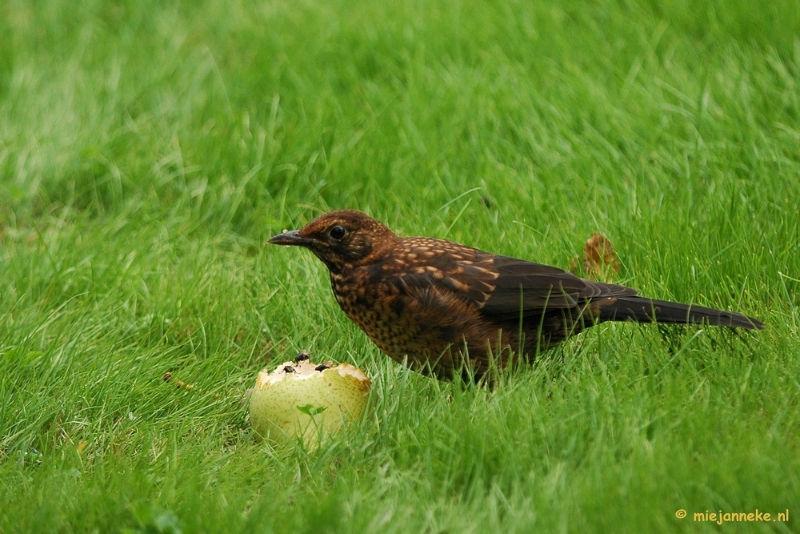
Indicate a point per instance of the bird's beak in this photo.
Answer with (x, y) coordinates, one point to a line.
(292, 238)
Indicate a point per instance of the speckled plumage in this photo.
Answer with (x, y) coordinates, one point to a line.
(430, 302)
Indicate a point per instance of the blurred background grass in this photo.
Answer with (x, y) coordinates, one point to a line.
(148, 150)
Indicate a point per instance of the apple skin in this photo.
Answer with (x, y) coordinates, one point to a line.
(307, 400)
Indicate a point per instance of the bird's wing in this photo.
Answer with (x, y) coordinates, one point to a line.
(429, 266)
(499, 286)
(530, 288)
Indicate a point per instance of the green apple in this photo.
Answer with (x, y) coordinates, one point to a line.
(307, 400)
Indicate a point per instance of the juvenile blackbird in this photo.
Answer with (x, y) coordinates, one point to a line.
(439, 306)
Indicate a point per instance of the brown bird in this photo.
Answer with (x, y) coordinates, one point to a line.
(441, 307)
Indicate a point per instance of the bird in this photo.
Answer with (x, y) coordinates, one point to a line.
(449, 310)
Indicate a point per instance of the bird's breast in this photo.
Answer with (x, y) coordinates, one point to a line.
(420, 322)
(381, 309)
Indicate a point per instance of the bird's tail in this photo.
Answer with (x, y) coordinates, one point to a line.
(644, 310)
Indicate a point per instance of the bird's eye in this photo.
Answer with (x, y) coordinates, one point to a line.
(337, 232)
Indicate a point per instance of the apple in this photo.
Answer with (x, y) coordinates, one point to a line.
(307, 400)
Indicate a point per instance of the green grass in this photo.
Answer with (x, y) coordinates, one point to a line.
(149, 149)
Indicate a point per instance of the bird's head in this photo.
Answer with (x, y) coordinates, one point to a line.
(340, 238)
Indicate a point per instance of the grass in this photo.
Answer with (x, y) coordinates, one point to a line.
(149, 149)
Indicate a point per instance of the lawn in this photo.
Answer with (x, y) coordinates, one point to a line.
(148, 150)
